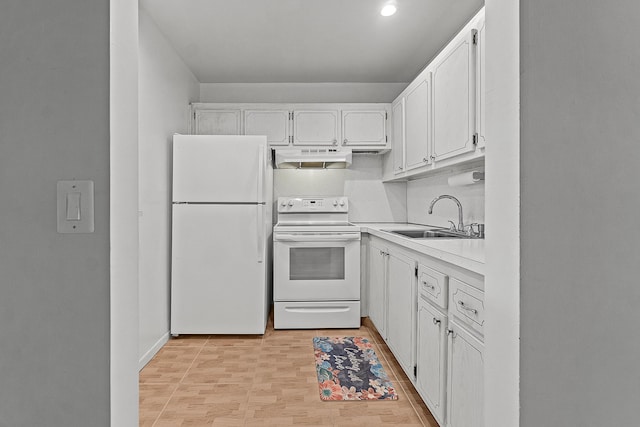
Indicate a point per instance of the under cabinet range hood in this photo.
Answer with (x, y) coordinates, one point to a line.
(329, 158)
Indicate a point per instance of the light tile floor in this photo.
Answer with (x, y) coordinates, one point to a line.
(269, 380)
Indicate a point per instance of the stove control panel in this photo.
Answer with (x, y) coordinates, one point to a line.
(313, 204)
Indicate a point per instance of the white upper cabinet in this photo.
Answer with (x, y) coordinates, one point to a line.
(364, 127)
(397, 113)
(275, 124)
(444, 108)
(316, 127)
(480, 83)
(454, 99)
(358, 126)
(217, 122)
(417, 111)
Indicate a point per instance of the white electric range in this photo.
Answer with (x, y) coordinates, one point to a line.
(316, 264)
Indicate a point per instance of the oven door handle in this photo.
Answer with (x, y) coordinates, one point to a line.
(317, 237)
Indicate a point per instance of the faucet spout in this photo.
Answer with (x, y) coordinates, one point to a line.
(446, 196)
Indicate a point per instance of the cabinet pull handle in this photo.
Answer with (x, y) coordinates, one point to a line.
(436, 321)
(450, 332)
(432, 287)
(464, 307)
(424, 159)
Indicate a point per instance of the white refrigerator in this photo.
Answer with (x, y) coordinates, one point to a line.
(221, 234)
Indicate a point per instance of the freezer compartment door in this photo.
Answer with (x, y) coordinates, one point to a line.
(220, 169)
(218, 270)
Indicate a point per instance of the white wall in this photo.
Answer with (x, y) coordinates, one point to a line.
(54, 288)
(166, 88)
(123, 115)
(300, 92)
(502, 290)
(580, 246)
(421, 192)
(369, 199)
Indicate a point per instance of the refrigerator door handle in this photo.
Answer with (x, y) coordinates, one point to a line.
(260, 231)
(261, 180)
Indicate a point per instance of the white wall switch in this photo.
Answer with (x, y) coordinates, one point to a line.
(75, 206)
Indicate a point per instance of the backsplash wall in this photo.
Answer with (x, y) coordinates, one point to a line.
(421, 192)
(369, 199)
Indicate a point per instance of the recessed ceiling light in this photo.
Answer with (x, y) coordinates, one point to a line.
(388, 10)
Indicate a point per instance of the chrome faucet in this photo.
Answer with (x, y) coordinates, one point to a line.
(453, 226)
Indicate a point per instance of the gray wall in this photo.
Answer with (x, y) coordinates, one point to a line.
(54, 288)
(580, 151)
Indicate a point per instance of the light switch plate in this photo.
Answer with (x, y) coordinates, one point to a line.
(75, 206)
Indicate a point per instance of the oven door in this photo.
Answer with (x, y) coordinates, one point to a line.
(316, 266)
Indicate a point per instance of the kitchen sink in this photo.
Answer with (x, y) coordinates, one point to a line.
(430, 234)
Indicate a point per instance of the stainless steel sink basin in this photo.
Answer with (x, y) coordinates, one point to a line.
(430, 234)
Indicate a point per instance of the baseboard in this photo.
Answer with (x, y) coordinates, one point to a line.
(146, 358)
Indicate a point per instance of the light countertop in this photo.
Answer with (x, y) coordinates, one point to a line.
(465, 253)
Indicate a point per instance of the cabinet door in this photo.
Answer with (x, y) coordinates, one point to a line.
(275, 124)
(377, 286)
(364, 128)
(480, 84)
(315, 127)
(217, 122)
(465, 394)
(417, 124)
(454, 101)
(397, 111)
(432, 358)
(401, 309)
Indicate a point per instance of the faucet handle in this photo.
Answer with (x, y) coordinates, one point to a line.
(472, 232)
(453, 226)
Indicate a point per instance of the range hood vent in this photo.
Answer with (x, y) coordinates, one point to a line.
(329, 158)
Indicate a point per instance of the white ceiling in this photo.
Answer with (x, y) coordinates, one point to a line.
(308, 41)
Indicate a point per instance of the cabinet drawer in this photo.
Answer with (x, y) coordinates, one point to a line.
(433, 285)
(467, 304)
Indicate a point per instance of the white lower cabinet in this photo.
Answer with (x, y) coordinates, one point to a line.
(377, 273)
(392, 303)
(432, 358)
(466, 379)
(401, 308)
(431, 314)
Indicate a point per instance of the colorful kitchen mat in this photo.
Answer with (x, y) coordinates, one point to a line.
(348, 369)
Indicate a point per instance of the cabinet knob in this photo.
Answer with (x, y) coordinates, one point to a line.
(424, 159)
(433, 157)
(436, 321)
(335, 142)
(450, 332)
(345, 140)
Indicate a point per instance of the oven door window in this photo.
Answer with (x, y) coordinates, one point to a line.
(316, 263)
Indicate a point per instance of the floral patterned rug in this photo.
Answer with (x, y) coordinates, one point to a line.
(348, 369)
